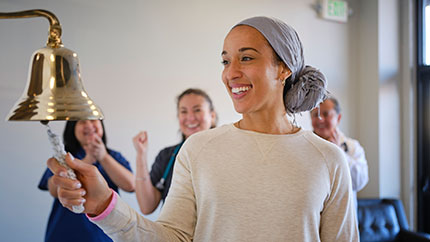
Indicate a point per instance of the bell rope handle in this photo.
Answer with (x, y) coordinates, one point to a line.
(60, 155)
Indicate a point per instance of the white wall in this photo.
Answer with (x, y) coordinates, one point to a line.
(386, 88)
(135, 57)
(389, 98)
(367, 83)
(379, 96)
(408, 110)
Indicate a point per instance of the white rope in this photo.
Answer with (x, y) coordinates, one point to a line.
(60, 155)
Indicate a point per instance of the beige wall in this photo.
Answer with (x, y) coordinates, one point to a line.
(385, 103)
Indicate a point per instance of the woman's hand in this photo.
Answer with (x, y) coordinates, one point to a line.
(148, 197)
(95, 149)
(334, 137)
(89, 158)
(90, 189)
(140, 142)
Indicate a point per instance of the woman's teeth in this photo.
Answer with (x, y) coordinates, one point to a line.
(237, 90)
(191, 126)
(89, 132)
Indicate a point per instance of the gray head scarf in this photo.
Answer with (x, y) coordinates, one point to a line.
(306, 87)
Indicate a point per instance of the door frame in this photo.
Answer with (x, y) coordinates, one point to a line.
(423, 124)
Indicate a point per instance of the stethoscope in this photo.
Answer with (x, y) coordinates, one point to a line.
(344, 146)
(160, 184)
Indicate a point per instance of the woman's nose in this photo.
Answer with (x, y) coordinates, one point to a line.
(233, 71)
(87, 124)
(320, 118)
(191, 116)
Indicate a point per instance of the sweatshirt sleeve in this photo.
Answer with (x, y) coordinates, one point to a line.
(177, 219)
(179, 211)
(338, 218)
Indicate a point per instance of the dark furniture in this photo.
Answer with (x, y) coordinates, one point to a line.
(385, 220)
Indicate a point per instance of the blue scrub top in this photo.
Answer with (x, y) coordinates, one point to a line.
(64, 225)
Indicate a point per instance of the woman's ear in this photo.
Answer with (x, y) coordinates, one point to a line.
(284, 72)
(213, 119)
(339, 116)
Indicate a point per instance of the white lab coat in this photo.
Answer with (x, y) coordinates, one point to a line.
(357, 162)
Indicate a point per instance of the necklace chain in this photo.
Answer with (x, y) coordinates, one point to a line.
(293, 127)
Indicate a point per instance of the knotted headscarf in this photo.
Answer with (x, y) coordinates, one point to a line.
(306, 87)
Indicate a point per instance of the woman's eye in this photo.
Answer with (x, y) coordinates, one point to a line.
(246, 58)
(224, 62)
(197, 110)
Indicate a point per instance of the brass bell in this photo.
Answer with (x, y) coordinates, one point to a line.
(54, 88)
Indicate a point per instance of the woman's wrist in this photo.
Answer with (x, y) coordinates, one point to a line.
(104, 157)
(104, 205)
(141, 166)
(142, 178)
(142, 172)
(141, 156)
(111, 205)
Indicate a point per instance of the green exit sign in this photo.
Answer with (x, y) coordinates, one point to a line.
(335, 10)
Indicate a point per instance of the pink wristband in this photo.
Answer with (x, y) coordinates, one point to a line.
(108, 210)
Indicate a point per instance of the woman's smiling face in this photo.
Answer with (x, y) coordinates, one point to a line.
(194, 114)
(251, 73)
(86, 129)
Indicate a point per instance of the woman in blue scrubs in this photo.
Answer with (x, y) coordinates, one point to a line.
(85, 140)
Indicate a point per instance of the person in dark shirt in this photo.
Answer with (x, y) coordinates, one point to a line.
(195, 113)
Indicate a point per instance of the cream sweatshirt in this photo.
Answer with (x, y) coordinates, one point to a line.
(236, 185)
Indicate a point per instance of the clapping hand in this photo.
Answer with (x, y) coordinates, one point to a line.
(95, 149)
(140, 142)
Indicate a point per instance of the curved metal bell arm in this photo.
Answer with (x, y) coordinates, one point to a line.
(54, 39)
